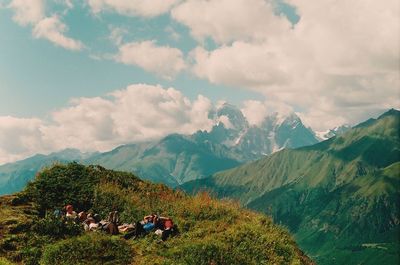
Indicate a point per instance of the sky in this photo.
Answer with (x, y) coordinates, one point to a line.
(95, 74)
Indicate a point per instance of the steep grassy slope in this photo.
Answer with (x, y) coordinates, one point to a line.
(212, 232)
(340, 197)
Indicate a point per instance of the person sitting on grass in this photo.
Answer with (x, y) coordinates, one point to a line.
(82, 216)
(90, 223)
(143, 227)
(70, 213)
(167, 227)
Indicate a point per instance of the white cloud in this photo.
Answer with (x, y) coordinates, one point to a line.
(164, 61)
(149, 112)
(19, 138)
(241, 65)
(32, 13)
(52, 29)
(227, 20)
(135, 114)
(143, 8)
(27, 12)
(340, 60)
(254, 111)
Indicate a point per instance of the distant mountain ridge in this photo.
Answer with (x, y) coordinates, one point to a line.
(176, 159)
(14, 176)
(340, 197)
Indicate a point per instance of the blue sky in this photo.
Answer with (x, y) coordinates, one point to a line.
(263, 56)
(38, 77)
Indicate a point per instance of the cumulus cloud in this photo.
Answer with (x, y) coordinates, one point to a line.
(226, 20)
(164, 61)
(256, 111)
(32, 13)
(135, 114)
(19, 138)
(340, 60)
(143, 8)
(242, 65)
(27, 12)
(52, 29)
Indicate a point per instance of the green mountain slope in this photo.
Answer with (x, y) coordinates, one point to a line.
(340, 197)
(173, 160)
(211, 232)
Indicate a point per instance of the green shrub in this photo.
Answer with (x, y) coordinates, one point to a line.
(107, 198)
(79, 185)
(93, 248)
(60, 185)
(56, 228)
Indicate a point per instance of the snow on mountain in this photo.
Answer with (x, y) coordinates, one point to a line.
(324, 135)
(276, 132)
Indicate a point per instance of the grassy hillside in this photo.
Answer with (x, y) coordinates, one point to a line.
(212, 232)
(339, 197)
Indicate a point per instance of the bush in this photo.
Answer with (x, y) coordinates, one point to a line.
(56, 228)
(60, 185)
(93, 248)
(80, 186)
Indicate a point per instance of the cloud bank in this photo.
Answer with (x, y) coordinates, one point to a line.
(135, 114)
(339, 63)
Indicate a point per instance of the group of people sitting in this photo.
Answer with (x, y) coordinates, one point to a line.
(162, 226)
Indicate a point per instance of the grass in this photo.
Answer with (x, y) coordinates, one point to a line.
(211, 231)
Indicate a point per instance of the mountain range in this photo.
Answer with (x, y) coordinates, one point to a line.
(176, 159)
(340, 197)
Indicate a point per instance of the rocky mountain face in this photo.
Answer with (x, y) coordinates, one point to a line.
(254, 141)
(176, 159)
(339, 197)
